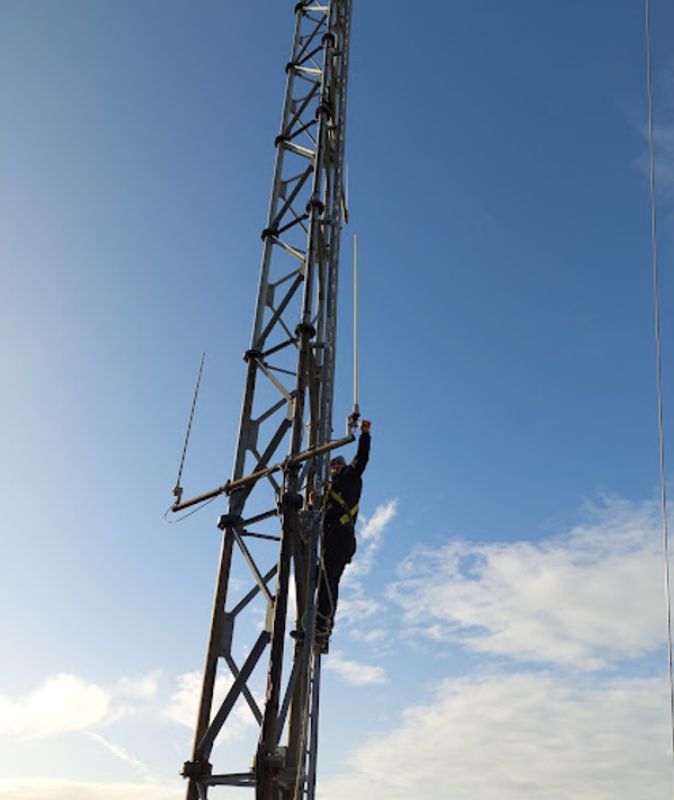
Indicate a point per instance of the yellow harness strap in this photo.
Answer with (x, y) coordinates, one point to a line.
(349, 517)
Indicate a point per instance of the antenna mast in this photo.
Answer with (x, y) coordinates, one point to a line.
(285, 438)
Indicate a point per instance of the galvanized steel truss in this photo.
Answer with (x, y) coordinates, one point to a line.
(285, 434)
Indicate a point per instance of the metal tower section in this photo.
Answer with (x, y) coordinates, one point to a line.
(285, 439)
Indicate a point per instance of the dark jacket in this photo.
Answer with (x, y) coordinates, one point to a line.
(349, 485)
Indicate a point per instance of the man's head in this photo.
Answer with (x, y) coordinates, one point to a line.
(336, 466)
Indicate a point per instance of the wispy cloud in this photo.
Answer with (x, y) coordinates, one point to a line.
(374, 635)
(184, 700)
(184, 703)
(355, 672)
(62, 703)
(85, 790)
(121, 753)
(355, 604)
(355, 607)
(370, 538)
(139, 687)
(582, 599)
(65, 703)
(520, 737)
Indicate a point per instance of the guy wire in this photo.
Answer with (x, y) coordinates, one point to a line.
(658, 361)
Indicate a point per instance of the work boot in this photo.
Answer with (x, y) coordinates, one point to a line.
(322, 641)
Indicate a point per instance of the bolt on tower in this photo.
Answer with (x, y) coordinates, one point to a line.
(285, 438)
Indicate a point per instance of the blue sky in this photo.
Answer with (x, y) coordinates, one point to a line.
(502, 631)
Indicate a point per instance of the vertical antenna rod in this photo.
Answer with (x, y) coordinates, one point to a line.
(356, 409)
(270, 533)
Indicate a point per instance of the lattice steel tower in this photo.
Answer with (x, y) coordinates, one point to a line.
(285, 437)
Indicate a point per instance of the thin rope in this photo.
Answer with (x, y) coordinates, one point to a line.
(658, 362)
(323, 576)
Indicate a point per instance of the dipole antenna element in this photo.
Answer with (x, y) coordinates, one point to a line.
(178, 489)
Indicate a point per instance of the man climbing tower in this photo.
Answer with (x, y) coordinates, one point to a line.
(340, 509)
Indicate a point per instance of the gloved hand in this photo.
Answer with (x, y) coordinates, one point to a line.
(365, 425)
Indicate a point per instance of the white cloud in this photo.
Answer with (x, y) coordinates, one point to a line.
(583, 599)
(184, 704)
(520, 737)
(184, 701)
(62, 703)
(373, 528)
(370, 538)
(140, 687)
(372, 636)
(65, 703)
(355, 609)
(354, 672)
(83, 790)
(355, 606)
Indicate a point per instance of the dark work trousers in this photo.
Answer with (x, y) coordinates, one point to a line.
(339, 546)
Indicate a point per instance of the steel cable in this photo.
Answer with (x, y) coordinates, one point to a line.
(658, 359)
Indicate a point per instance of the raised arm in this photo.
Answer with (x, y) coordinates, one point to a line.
(363, 453)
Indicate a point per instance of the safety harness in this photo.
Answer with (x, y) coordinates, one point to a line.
(349, 515)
